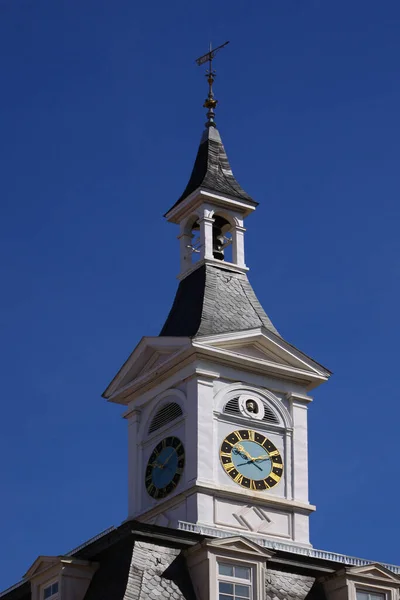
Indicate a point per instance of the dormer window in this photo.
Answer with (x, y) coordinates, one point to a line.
(234, 582)
(365, 595)
(50, 591)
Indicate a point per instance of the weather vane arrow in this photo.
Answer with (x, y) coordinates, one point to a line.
(210, 102)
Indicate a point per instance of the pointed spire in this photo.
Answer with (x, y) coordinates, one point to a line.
(212, 171)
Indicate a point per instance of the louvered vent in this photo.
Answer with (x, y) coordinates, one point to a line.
(269, 415)
(232, 407)
(169, 412)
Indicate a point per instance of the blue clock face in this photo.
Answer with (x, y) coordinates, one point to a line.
(165, 467)
(251, 460)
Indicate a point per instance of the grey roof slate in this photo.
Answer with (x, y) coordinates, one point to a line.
(145, 562)
(287, 586)
(214, 300)
(212, 171)
(146, 579)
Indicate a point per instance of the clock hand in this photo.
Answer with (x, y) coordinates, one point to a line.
(169, 457)
(250, 461)
(243, 451)
(155, 464)
(263, 457)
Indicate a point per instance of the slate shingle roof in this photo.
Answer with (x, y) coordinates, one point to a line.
(214, 300)
(147, 576)
(212, 171)
(147, 562)
(287, 586)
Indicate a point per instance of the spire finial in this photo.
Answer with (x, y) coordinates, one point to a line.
(210, 102)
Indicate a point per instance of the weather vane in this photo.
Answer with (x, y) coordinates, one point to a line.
(210, 102)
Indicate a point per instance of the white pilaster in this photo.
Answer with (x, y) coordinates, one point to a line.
(206, 235)
(238, 246)
(134, 463)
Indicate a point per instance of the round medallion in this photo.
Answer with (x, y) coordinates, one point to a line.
(251, 460)
(165, 467)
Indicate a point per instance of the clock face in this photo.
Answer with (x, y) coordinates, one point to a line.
(251, 460)
(165, 467)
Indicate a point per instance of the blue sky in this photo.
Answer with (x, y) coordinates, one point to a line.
(101, 114)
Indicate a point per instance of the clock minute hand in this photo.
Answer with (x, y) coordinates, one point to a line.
(169, 458)
(251, 461)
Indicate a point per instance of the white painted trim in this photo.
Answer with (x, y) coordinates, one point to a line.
(200, 195)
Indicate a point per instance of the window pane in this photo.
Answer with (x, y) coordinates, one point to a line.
(225, 569)
(54, 588)
(224, 597)
(362, 595)
(47, 592)
(242, 590)
(242, 572)
(377, 596)
(225, 588)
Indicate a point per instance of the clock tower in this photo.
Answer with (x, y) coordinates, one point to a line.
(216, 404)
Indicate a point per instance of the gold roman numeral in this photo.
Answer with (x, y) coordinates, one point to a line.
(151, 489)
(239, 478)
(251, 435)
(238, 435)
(274, 476)
(274, 453)
(226, 454)
(229, 467)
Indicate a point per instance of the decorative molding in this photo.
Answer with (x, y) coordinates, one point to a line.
(245, 516)
(291, 548)
(262, 394)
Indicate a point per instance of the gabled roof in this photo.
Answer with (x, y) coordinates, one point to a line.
(214, 300)
(212, 170)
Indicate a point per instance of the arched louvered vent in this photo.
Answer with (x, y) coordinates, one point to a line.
(269, 415)
(169, 412)
(232, 407)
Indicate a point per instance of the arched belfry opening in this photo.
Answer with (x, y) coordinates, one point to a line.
(210, 236)
(193, 241)
(222, 239)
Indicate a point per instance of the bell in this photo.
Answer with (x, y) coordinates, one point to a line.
(218, 237)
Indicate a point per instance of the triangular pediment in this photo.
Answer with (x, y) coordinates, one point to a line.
(374, 571)
(41, 564)
(240, 544)
(149, 356)
(264, 350)
(256, 351)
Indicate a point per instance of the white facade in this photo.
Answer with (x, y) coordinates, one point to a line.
(201, 377)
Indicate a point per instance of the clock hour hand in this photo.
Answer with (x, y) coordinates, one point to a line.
(156, 464)
(242, 450)
(263, 457)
